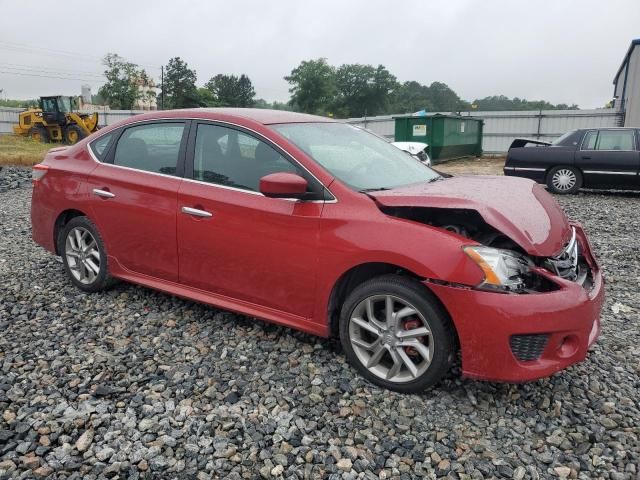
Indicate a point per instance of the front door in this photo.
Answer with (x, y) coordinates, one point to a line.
(609, 158)
(235, 242)
(133, 198)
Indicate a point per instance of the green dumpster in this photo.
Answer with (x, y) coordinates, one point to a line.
(448, 136)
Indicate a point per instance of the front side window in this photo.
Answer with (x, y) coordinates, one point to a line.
(228, 157)
(152, 148)
(615, 140)
(358, 158)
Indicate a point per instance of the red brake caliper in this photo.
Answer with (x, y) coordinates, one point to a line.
(410, 324)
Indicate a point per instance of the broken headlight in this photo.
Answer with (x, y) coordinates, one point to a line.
(504, 270)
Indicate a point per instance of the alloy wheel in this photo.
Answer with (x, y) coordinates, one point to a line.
(83, 256)
(564, 179)
(391, 338)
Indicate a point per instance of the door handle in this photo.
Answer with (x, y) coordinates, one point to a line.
(103, 193)
(586, 157)
(196, 212)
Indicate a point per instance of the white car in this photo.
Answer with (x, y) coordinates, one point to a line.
(416, 149)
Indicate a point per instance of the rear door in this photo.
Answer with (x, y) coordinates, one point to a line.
(133, 196)
(232, 240)
(609, 158)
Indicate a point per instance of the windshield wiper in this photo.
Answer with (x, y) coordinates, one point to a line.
(377, 189)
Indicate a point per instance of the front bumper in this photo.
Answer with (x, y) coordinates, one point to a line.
(487, 321)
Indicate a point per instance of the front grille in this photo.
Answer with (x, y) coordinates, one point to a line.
(528, 347)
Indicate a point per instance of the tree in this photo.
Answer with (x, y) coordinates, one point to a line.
(501, 102)
(446, 100)
(231, 91)
(313, 87)
(437, 97)
(363, 90)
(206, 98)
(275, 105)
(410, 97)
(180, 89)
(121, 89)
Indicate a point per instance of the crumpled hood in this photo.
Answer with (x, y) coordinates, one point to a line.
(517, 207)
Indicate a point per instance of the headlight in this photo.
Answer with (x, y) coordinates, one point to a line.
(503, 270)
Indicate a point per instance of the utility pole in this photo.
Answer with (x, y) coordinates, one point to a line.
(161, 87)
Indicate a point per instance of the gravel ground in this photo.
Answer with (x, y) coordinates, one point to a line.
(137, 384)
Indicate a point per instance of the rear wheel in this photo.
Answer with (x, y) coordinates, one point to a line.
(84, 255)
(564, 179)
(73, 134)
(396, 334)
(39, 134)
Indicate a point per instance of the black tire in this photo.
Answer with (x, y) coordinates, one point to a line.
(39, 133)
(73, 134)
(442, 342)
(103, 279)
(565, 173)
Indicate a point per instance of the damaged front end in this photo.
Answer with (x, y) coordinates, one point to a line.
(506, 266)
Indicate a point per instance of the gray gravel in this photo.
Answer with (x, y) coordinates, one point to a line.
(12, 178)
(137, 384)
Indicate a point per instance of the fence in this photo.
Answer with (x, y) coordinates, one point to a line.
(500, 128)
(9, 117)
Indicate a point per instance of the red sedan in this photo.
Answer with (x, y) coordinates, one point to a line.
(320, 226)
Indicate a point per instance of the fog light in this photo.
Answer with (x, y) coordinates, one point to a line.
(568, 346)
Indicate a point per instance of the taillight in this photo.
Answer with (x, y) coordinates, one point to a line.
(38, 171)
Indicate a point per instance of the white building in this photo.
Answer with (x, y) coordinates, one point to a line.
(627, 86)
(147, 95)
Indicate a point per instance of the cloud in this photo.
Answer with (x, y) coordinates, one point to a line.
(558, 51)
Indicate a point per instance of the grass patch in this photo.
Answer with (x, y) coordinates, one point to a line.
(23, 151)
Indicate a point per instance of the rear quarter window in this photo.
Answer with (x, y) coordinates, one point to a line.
(100, 147)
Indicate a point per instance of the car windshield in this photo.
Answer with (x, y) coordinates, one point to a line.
(64, 104)
(358, 158)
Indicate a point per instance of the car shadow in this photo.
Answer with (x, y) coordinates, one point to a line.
(610, 193)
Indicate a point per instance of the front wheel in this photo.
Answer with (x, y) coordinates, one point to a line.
(73, 134)
(84, 255)
(396, 334)
(564, 179)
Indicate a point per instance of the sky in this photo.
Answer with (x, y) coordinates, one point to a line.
(562, 51)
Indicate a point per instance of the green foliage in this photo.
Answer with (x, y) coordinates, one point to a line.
(18, 103)
(313, 86)
(121, 89)
(262, 103)
(362, 90)
(231, 91)
(446, 100)
(206, 98)
(500, 102)
(180, 89)
(411, 97)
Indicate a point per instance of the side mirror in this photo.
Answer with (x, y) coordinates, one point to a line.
(283, 185)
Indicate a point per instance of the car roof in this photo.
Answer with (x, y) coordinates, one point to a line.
(259, 115)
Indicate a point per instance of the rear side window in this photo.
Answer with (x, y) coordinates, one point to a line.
(589, 142)
(615, 140)
(152, 148)
(100, 147)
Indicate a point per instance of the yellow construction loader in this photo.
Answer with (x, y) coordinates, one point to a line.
(56, 121)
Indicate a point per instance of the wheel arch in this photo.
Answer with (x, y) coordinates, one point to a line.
(567, 165)
(62, 219)
(357, 274)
